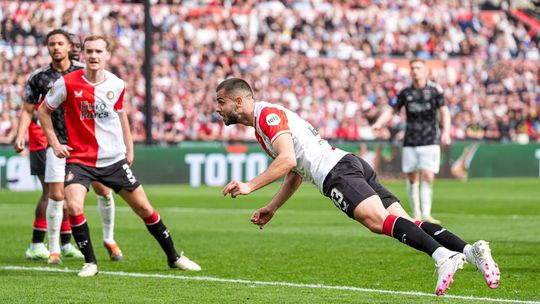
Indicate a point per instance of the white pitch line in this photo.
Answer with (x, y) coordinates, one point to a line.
(268, 283)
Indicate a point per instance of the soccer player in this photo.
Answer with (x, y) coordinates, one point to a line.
(99, 148)
(56, 223)
(49, 211)
(299, 153)
(105, 200)
(421, 154)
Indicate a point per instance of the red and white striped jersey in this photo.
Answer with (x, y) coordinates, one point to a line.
(314, 156)
(92, 121)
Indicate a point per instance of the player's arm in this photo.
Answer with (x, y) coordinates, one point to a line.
(24, 122)
(282, 164)
(290, 184)
(54, 98)
(128, 139)
(445, 115)
(386, 115)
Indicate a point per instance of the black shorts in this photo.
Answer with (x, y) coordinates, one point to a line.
(351, 181)
(117, 176)
(37, 162)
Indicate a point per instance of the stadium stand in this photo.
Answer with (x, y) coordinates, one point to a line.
(335, 63)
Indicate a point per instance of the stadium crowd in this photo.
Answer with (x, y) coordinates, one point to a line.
(336, 64)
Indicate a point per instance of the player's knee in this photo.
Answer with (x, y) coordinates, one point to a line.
(75, 209)
(56, 195)
(412, 177)
(428, 176)
(103, 191)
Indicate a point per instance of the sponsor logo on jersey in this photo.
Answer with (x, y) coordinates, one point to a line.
(93, 111)
(416, 107)
(78, 94)
(273, 119)
(110, 95)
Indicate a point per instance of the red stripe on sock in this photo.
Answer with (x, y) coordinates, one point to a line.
(418, 223)
(388, 225)
(66, 227)
(40, 223)
(152, 219)
(76, 220)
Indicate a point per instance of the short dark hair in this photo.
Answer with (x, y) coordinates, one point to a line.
(416, 59)
(233, 85)
(57, 32)
(74, 38)
(98, 37)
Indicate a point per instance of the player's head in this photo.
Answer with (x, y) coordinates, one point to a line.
(96, 50)
(75, 46)
(418, 69)
(58, 44)
(233, 95)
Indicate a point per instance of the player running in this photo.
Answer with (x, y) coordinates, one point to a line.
(299, 153)
(99, 148)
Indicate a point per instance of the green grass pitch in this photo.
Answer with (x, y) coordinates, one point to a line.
(309, 247)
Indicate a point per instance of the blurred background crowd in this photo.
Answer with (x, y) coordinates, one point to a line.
(336, 63)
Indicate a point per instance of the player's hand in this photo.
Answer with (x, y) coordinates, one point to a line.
(446, 139)
(130, 156)
(262, 216)
(18, 145)
(376, 127)
(236, 188)
(62, 151)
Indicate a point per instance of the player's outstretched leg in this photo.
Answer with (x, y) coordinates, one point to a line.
(478, 254)
(140, 204)
(106, 208)
(372, 214)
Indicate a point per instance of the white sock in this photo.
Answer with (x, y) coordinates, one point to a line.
(106, 212)
(414, 198)
(441, 253)
(468, 254)
(425, 198)
(55, 213)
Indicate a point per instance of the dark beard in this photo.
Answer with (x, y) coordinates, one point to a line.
(231, 120)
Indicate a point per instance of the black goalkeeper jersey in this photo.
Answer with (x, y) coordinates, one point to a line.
(37, 87)
(421, 106)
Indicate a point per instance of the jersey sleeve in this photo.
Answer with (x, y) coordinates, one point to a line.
(273, 122)
(397, 101)
(439, 96)
(31, 94)
(57, 94)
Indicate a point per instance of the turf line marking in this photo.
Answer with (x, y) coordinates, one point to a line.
(267, 283)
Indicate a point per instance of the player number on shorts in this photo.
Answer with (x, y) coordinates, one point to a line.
(129, 174)
(337, 198)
